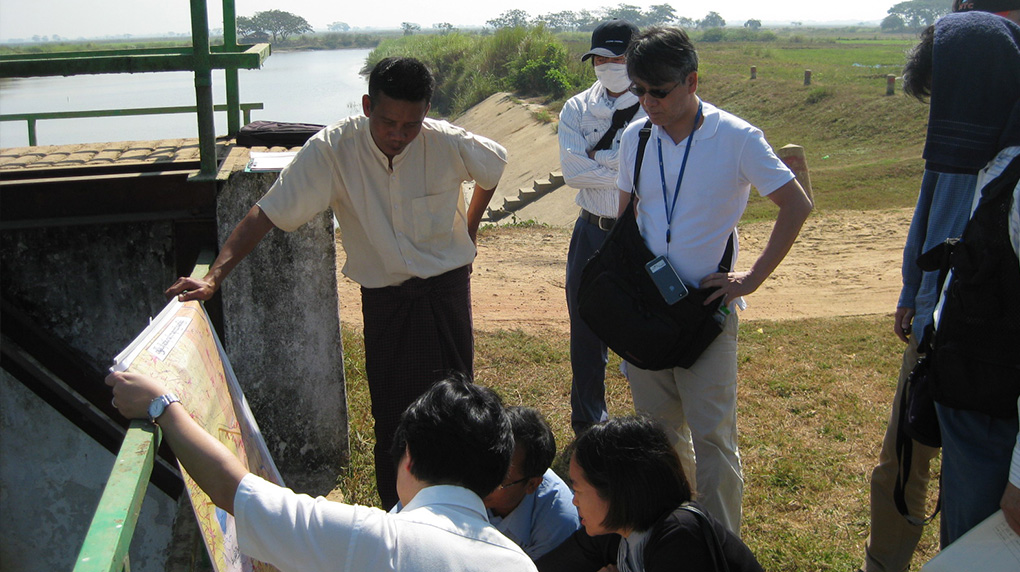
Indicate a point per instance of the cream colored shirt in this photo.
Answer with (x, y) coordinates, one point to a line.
(396, 224)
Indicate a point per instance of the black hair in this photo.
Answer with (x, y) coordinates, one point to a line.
(406, 79)
(457, 433)
(632, 465)
(660, 55)
(533, 435)
(917, 70)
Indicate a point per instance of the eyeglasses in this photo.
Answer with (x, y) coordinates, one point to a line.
(512, 483)
(656, 93)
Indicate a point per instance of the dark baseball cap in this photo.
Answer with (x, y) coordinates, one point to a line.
(985, 5)
(610, 39)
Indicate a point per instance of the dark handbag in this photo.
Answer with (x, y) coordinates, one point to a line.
(623, 307)
(919, 422)
(917, 406)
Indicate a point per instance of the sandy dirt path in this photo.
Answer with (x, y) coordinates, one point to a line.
(843, 264)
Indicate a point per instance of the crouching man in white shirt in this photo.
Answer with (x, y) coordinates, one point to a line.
(454, 445)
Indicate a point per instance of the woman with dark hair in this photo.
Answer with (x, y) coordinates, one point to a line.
(635, 507)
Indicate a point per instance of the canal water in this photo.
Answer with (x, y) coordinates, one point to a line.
(306, 86)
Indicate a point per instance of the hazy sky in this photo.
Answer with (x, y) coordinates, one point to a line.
(96, 18)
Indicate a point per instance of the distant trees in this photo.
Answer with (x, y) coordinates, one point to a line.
(339, 27)
(712, 20)
(586, 20)
(659, 14)
(275, 23)
(443, 27)
(918, 14)
(409, 28)
(753, 24)
(893, 23)
(515, 18)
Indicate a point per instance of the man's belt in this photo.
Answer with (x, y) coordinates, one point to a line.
(603, 222)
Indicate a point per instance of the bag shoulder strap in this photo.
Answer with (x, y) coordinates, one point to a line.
(643, 135)
(621, 117)
(715, 548)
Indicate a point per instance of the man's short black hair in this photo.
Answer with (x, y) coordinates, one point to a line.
(406, 79)
(659, 56)
(631, 464)
(533, 435)
(457, 433)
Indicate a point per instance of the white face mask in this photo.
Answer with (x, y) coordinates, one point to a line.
(613, 77)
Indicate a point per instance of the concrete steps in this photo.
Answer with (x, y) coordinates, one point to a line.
(525, 196)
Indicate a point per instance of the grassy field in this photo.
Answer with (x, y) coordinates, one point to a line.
(814, 394)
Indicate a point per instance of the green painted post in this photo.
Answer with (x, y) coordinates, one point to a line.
(230, 73)
(109, 537)
(31, 133)
(203, 88)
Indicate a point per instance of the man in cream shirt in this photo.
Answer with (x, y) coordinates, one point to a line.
(393, 179)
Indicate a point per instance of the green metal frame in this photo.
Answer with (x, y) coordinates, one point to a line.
(200, 58)
(32, 118)
(109, 537)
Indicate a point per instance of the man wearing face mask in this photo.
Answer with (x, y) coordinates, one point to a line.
(591, 124)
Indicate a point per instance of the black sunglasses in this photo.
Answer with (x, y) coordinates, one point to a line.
(512, 483)
(656, 93)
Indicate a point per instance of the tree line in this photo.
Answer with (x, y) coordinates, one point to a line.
(278, 24)
(587, 20)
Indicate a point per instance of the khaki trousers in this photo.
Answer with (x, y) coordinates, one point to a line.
(698, 409)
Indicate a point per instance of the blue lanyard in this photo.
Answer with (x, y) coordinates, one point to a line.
(670, 209)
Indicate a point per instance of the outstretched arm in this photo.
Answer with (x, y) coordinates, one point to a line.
(794, 207)
(216, 470)
(242, 241)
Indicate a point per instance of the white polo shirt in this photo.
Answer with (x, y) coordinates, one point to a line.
(728, 155)
(396, 224)
(442, 528)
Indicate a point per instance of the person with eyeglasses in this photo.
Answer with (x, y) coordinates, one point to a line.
(589, 131)
(533, 507)
(699, 165)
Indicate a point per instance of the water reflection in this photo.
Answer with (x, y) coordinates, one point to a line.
(307, 86)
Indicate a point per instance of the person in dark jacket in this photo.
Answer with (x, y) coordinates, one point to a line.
(636, 508)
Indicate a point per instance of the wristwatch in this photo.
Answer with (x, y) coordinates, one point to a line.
(159, 405)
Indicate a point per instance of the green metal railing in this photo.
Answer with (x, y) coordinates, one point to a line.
(201, 58)
(32, 118)
(109, 537)
(105, 548)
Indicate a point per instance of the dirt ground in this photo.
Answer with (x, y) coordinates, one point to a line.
(843, 264)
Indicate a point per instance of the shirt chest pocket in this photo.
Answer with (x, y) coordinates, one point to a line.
(433, 219)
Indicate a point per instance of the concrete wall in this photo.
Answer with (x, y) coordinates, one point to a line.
(51, 478)
(282, 322)
(93, 287)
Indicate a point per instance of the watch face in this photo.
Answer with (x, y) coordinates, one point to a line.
(156, 408)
